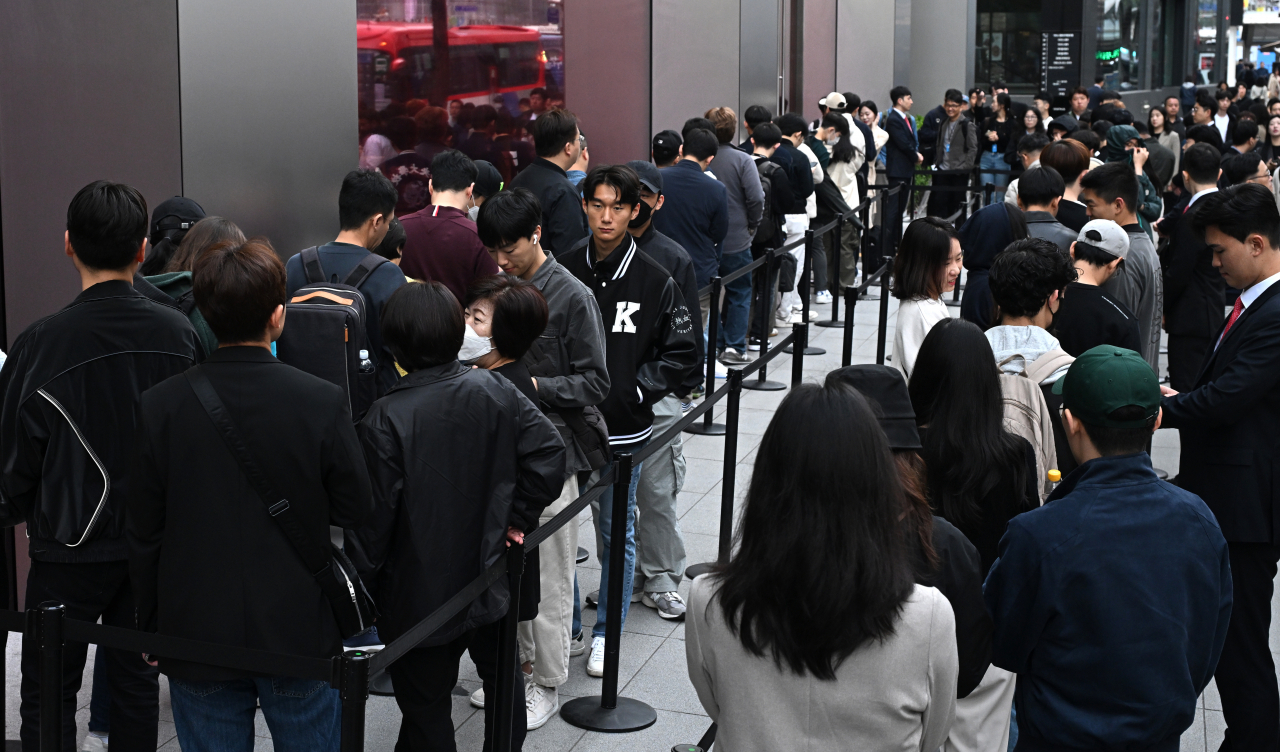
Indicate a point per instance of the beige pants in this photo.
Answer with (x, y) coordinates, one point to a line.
(544, 641)
(982, 718)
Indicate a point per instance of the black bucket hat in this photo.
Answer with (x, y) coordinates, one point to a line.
(886, 390)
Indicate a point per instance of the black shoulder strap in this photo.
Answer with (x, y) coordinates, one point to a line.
(362, 271)
(315, 559)
(311, 265)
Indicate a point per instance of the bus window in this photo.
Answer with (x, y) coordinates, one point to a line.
(518, 64)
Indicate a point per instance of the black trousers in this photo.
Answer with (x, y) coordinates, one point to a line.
(1246, 674)
(894, 206)
(90, 591)
(944, 203)
(1186, 355)
(424, 680)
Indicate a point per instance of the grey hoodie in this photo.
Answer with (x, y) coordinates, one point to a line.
(1016, 346)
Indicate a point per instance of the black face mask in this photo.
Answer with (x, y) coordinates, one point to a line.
(646, 212)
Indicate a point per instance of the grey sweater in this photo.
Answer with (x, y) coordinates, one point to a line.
(736, 170)
(890, 696)
(1139, 284)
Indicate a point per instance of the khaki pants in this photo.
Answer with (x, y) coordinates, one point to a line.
(544, 641)
(982, 718)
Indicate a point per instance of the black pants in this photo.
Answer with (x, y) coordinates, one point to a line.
(90, 591)
(944, 203)
(1246, 674)
(424, 679)
(1186, 355)
(819, 278)
(894, 206)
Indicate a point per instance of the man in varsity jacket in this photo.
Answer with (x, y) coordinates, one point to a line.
(650, 347)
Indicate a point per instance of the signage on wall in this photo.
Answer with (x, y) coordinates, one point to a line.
(1059, 62)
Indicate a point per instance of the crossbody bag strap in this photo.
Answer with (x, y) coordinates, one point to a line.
(363, 270)
(315, 558)
(311, 266)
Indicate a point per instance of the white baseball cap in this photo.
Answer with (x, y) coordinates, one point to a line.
(1106, 236)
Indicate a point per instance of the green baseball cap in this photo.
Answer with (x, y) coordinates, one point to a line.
(1105, 379)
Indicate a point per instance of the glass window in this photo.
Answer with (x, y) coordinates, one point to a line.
(1008, 44)
(1119, 42)
(1205, 41)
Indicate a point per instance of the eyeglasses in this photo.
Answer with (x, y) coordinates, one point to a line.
(1260, 178)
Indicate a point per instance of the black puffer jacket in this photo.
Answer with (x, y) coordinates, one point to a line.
(456, 455)
(71, 390)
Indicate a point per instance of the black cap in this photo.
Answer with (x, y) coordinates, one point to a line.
(650, 176)
(488, 179)
(668, 140)
(886, 390)
(177, 213)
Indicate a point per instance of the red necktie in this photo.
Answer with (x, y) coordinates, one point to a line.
(1235, 314)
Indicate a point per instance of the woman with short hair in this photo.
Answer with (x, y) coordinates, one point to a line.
(813, 635)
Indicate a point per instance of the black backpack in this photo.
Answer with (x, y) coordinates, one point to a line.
(770, 219)
(325, 331)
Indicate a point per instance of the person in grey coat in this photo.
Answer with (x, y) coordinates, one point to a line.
(1039, 191)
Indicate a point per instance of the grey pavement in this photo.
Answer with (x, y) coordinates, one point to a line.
(653, 665)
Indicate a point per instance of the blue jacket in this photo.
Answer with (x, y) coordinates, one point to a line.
(1111, 603)
(695, 214)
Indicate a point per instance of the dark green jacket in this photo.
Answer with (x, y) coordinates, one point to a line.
(177, 285)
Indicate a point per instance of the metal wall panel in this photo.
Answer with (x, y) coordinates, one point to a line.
(695, 59)
(941, 38)
(819, 54)
(865, 49)
(760, 59)
(90, 92)
(269, 113)
(607, 74)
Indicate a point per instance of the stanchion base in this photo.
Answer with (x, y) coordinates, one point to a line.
(1161, 474)
(763, 386)
(697, 570)
(790, 350)
(583, 554)
(380, 685)
(828, 323)
(630, 715)
(702, 429)
(869, 296)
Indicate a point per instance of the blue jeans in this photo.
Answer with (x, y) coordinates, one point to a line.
(993, 160)
(604, 528)
(304, 715)
(737, 303)
(577, 608)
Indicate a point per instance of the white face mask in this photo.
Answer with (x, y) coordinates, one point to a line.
(474, 347)
(473, 212)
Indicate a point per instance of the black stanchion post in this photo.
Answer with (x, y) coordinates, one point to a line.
(353, 689)
(608, 712)
(800, 349)
(508, 655)
(851, 298)
(707, 427)
(762, 383)
(806, 273)
(884, 311)
(49, 635)
(833, 274)
(728, 476)
(986, 194)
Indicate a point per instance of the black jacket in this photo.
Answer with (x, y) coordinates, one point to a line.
(676, 261)
(71, 389)
(959, 577)
(456, 455)
(798, 175)
(780, 197)
(563, 222)
(208, 562)
(1228, 426)
(649, 334)
(901, 150)
(929, 133)
(1194, 292)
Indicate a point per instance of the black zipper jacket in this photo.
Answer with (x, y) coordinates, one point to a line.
(71, 391)
(649, 335)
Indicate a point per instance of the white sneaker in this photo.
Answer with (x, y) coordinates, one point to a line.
(669, 605)
(577, 645)
(540, 703)
(823, 297)
(94, 742)
(477, 698)
(595, 662)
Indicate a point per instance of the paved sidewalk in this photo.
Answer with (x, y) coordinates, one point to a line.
(653, 665)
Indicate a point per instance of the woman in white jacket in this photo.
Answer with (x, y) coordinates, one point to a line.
(847, 157)
(870, 115)
(926, 267)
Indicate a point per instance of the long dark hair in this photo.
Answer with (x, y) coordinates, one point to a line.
(922, 255)
(955, 391)
(843, 150)
(821, 565)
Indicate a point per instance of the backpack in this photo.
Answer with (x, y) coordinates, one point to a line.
(325, 331)
(770, 219)
(1026, 413)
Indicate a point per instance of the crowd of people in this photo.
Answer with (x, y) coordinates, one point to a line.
(305, 455)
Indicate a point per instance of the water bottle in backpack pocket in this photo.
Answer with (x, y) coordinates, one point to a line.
(324, 331)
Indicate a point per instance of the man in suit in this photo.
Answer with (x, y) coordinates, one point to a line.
(1194, 292)
(1227, 425)
(901, 158)
(208, 559)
